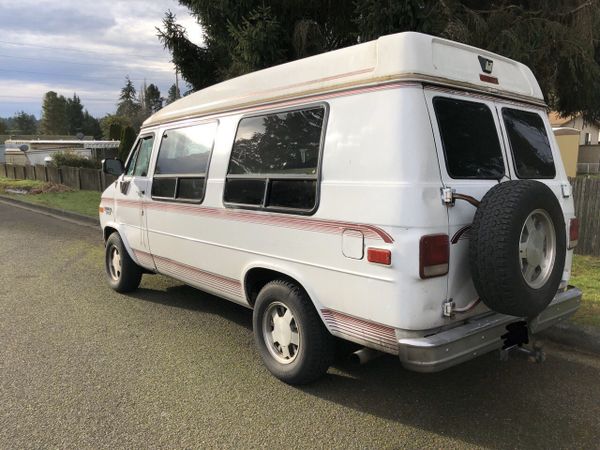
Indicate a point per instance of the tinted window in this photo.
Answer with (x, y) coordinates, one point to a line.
(293, 194)
(284, 143)
(529, 144)
(469, 138)
(164, 187)
(247, 192)
(275, 161)
(186, 150)
(190, 188)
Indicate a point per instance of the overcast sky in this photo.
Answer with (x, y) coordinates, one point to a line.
(83, 46)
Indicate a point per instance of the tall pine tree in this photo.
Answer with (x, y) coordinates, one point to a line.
(559, 40)
(54, 117)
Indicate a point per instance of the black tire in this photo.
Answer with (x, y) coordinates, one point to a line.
(315, 351)
(126, 279)
(494, 255)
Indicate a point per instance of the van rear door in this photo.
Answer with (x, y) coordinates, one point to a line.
(472, 159)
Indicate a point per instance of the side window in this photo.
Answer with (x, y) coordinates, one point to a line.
(182, 163)
(529, 143)
(469, 139)
(275, 159)
(140, 158)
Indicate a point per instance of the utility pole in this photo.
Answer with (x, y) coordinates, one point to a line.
(177, 93)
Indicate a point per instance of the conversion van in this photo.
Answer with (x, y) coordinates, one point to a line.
(404, 194)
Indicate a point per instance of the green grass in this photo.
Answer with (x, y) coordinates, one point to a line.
(586, 276)
(6, 183)
(82, 202)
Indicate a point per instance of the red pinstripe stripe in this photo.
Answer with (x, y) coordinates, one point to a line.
(369, 331)
(217, 282)
(273, 219)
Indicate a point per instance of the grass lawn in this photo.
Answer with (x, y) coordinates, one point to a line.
(82, 202)
(586, 276)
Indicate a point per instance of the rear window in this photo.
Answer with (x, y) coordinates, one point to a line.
(529, 143)
(469, 139)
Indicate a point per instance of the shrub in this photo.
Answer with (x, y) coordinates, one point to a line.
(73, 160)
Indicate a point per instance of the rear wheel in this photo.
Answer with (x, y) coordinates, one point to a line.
(123, 274)
(291, 339)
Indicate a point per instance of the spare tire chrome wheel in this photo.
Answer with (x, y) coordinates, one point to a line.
(537, 248)
(518, 247)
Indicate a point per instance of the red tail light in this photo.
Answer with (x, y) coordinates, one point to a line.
(379, 256)
(573, 232)
(434, 255)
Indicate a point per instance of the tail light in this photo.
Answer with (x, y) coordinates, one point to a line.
(379, 256)
(573, 232)
(434, 255)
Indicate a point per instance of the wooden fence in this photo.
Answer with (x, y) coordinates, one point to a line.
(79, 179)
(586, 193)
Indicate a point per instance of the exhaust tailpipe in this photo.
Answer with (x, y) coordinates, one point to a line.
(364, 355)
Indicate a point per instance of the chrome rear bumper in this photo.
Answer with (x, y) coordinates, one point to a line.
(478, 336)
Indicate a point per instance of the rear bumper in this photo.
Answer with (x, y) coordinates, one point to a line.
(478, 336)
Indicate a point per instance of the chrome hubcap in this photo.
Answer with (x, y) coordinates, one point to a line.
(537, 248)
(114, 263)
(281, 333)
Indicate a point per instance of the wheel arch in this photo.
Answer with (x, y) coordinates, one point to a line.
(113, 227)
(257, 275)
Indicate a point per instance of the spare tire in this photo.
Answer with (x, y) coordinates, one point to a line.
(517, 248)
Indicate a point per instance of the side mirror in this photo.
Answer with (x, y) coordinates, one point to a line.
(112, 167)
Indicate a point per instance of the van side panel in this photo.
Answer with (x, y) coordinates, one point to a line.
(380, 182)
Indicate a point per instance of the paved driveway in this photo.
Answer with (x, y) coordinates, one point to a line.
(170, 366)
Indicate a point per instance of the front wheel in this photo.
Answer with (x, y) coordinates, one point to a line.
(123, 274)
(291, 338)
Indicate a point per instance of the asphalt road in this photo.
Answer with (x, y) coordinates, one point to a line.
(169, 366)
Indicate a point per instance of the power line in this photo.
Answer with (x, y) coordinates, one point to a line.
(22, 44)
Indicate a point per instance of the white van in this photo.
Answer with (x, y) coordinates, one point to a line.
(405, 194)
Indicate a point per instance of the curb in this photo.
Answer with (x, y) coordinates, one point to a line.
(54, 212)
(583, 338)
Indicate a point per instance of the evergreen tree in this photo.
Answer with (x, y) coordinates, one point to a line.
(559, 40)
(54, 116)
(74, 115)
(173, 94)
(117, 123)
(153, 100)
(90, 126)
(128, 105)
(127, 140)
(3, 127)
(24, 123)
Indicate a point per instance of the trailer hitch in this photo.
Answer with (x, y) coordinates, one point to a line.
(517, 340)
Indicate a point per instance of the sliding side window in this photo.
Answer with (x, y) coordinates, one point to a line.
(182, 163)
(274, 162)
